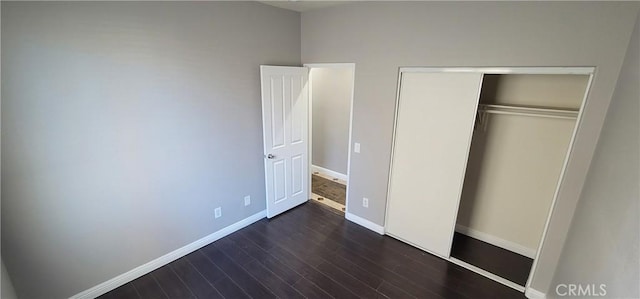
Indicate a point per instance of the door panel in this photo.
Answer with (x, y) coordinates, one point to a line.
(434, 126)
(285, 123)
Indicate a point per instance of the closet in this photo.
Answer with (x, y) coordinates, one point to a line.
(478, 155)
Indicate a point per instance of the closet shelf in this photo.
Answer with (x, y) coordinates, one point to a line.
(528, 111)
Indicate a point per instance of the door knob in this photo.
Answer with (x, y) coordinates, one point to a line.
(270, 156)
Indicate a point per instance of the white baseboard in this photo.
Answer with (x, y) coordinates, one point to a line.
(534, 294)
(364, 222)
(122, 279)
(493, 240)
(329, 172)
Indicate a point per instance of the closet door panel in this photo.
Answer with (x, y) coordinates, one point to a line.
(434, 125)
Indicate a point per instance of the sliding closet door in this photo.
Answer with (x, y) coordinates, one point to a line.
(434, 125)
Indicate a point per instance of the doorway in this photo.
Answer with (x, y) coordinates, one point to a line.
(330, 117)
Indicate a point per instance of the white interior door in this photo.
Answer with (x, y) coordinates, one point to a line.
(434, 126)
(285, 123)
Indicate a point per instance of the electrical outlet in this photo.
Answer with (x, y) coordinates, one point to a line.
(356, 147)
(247, 200)
(218, 212)
(365, 202)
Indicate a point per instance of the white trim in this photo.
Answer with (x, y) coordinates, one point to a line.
(393, 147)
(487, 274)
(364, 222)
(330, 65)
(503, 70)
(309, 128)
(353, 92)
(534, 294)
(493, 240)
(329, 172)
(353, 88)
(124, 278)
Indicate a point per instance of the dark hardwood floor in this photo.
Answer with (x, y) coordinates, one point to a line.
(496, 260)
(310, 252)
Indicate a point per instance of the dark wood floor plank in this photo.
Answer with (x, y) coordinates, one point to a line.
(171, 284)
(345, 279)
(434, 269)
(308, 271)
(325, 248)
(147, 287)
(330, 286)
(201, 263)
(305, 249)
(126, 291)
(194, 280)
(364, 237)
(485, 287)
(411, 255)
(496, 260)
(336, 259)
(301, 284)
(274, 283)
(456, 287)
(310, 290)
(311, 252)
(355, 270)
(420, 286)
(392, 291)
(270, 262)
(387, 275)
(431, 275)
(229, 289)
(246, 281)
(215, 276)
(280, 254)
(229, 247)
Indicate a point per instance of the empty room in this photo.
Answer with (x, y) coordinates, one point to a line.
(320, 149)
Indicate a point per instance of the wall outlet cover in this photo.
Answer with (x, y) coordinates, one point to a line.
(247, 200)
(218, 212)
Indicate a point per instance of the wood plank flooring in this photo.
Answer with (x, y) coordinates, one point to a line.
(329, 189)
(496, 260)
(310, 252)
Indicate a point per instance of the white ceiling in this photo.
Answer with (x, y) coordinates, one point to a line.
(302, 5)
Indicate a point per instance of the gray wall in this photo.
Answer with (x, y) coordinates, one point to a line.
(380, 37)
(603, 242)
(123, 126)
(8, 292)
(331, 90)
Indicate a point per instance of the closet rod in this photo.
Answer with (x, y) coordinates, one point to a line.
(529, 111)
(528, 114)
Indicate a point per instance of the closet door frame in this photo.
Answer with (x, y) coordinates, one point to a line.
(589, 71)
